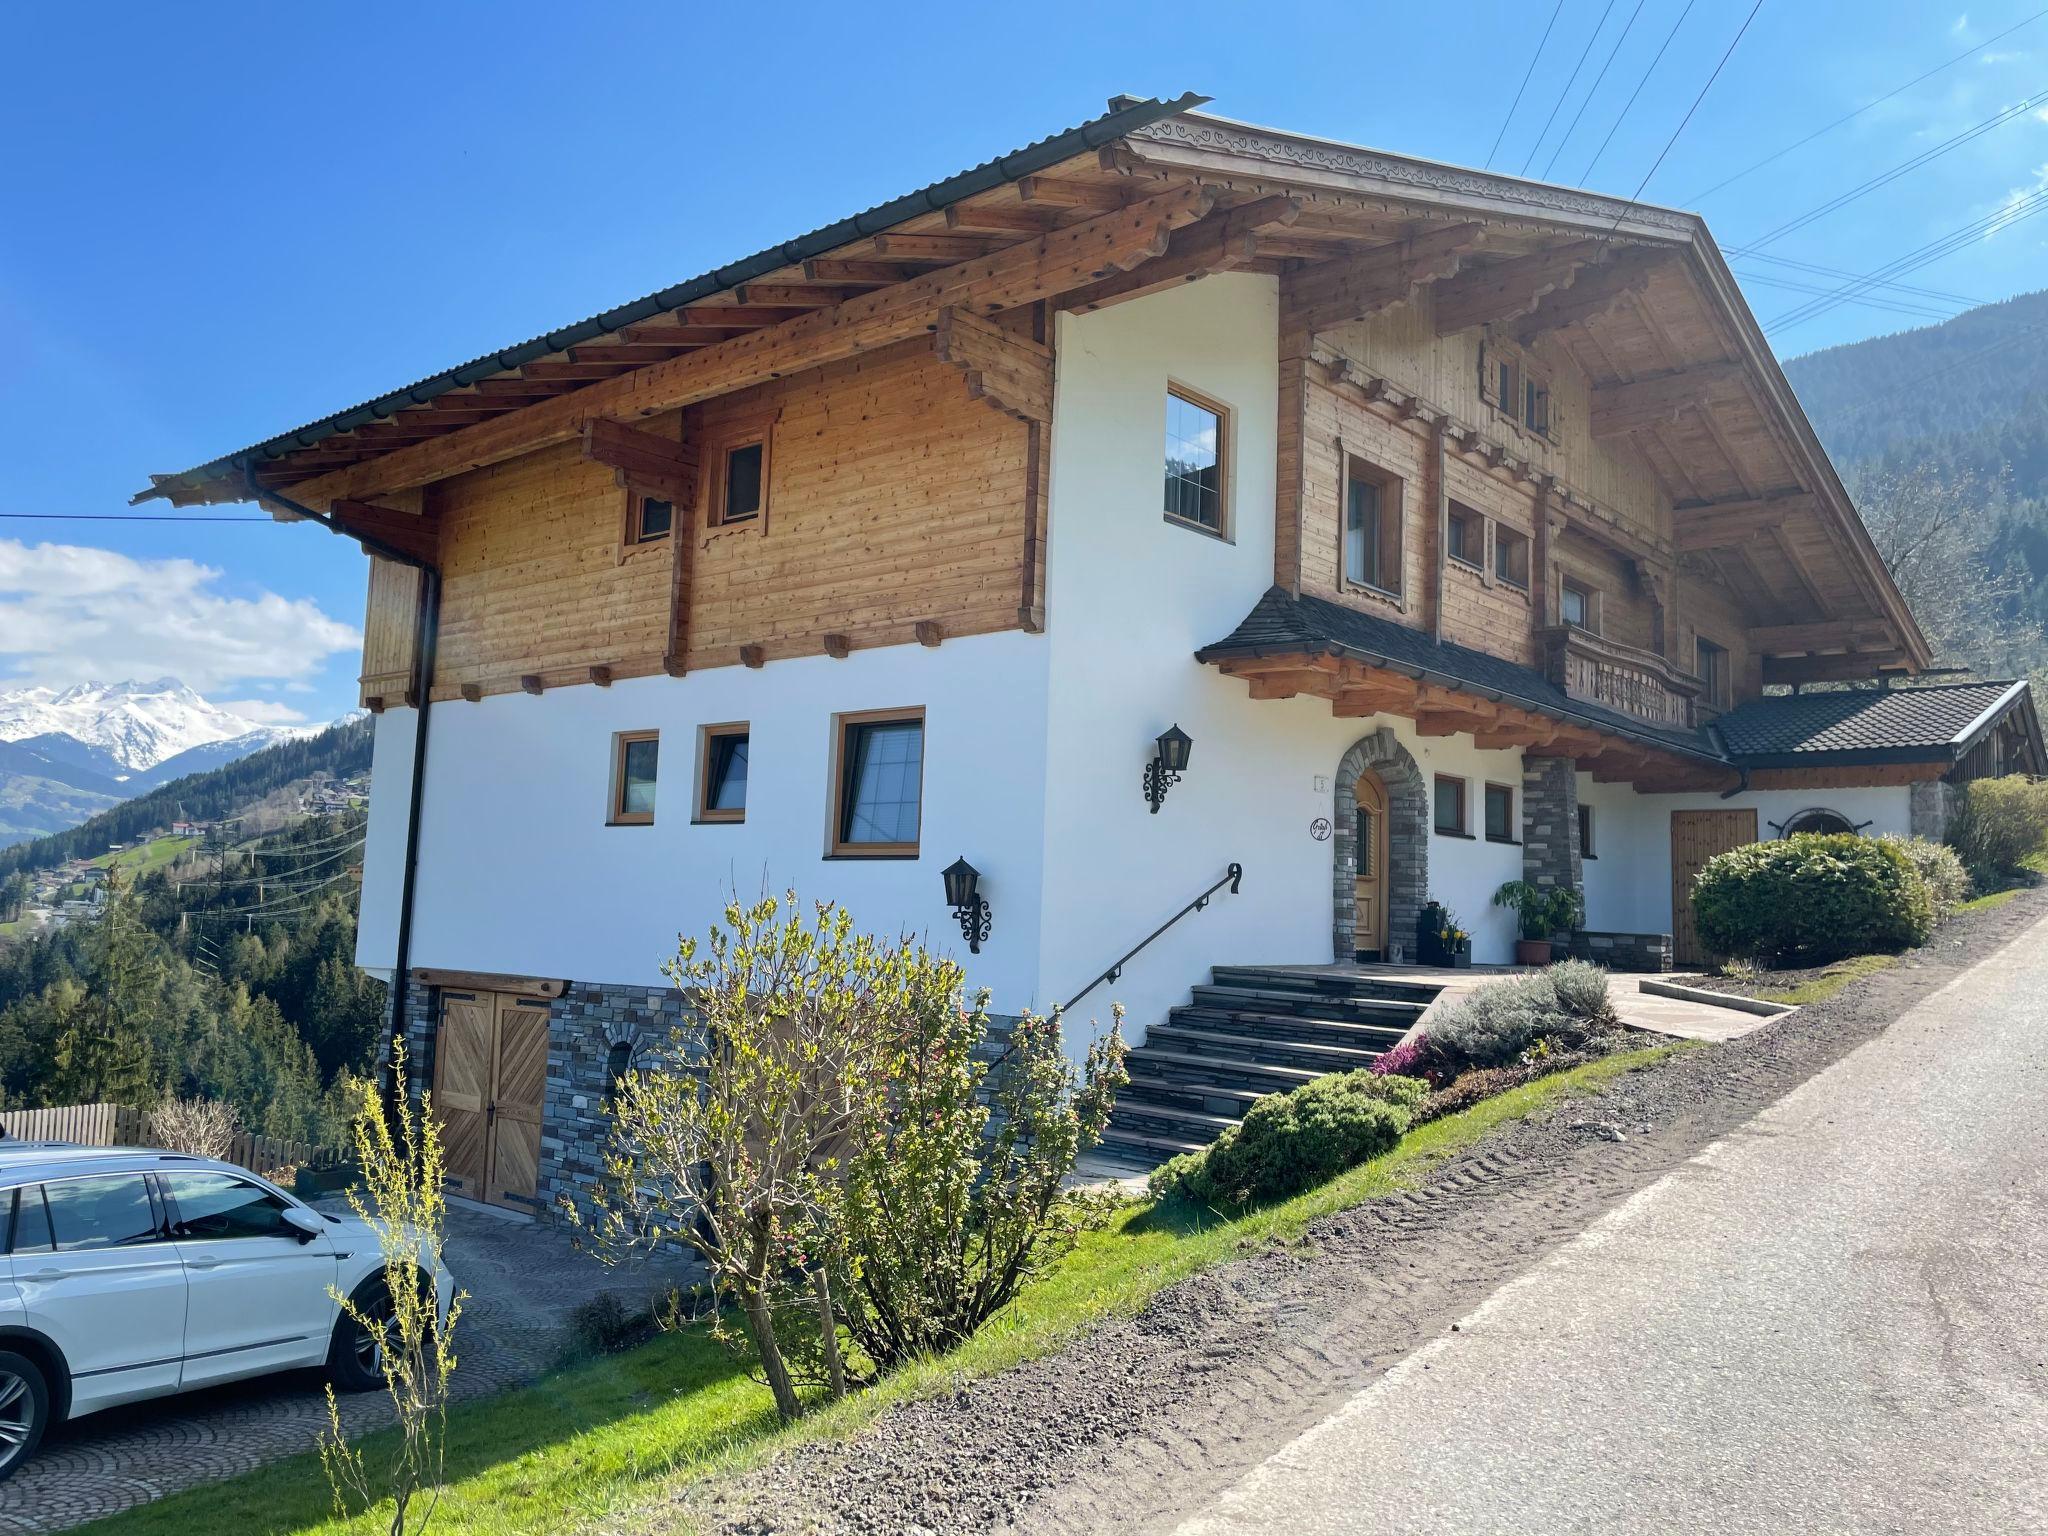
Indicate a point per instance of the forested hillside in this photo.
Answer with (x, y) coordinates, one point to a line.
(229, 974)
(1942, 436)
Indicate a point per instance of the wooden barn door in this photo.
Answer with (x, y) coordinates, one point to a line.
(462, 1086)
(490, 1078)
(1369, 933)
(1696, 836)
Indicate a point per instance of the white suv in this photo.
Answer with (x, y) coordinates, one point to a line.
(127, 1274)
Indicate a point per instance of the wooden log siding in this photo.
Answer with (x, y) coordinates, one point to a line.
(390, 631)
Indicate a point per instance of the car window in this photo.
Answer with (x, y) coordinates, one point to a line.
(103, 1211)
(31, 1221)
(213, 1205)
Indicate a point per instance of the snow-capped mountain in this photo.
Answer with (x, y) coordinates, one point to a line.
(133, 727)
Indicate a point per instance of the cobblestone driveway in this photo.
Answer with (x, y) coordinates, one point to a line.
(522, 1282)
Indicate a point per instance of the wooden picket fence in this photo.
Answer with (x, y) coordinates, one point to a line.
(117, 1125)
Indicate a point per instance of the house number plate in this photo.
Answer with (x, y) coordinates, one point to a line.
(1319, 829)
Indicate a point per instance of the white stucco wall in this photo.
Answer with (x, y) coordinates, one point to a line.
(1628, 886)
(519, 873)
(1132, 597)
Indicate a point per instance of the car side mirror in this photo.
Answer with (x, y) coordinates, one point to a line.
(303, 1222)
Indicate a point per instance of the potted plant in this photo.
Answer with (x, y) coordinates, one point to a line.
(1456, 942)
(1567, 915)
(1537, 912)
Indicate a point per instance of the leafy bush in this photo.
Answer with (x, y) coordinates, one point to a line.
(2001, 823)
(1811, 898)
(1948, 883)
(1290, 1142)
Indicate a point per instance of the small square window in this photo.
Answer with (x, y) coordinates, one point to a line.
(722, 753)
(648, 518)
(1578, 606)
(1196, 448)
(1586, 832)
(1372, 528)
(1450, 806)
(1500, 813)
(1465, 536)
(1510, 556)
(879, 785)
(635, 756)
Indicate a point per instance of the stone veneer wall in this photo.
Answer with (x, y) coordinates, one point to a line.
(1408, 819)
(1550, 823)
(1930, 804)
(1624, 951)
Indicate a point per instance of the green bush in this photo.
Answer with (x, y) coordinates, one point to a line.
(1811, 898)
(1581, 989)
(1495, 1024)
(1290, 1142)
(1948, 883)
(2000, 824)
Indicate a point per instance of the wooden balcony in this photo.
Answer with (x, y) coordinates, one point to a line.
(1620, 677)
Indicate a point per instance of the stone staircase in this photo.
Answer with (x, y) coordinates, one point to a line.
(1253, 1030)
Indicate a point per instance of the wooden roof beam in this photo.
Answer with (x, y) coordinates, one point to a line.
(1830, 635)
(1724, 524)
(1593, 294)
(406, 532)
(1034, 220)
(940, 248)
(1485, 295)
(1647, 403)
(1021, 274)
(1053, 192)
(1223, 242)
(1353, 287)
(798, 295)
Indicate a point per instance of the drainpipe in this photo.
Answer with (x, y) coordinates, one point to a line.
(426, 639)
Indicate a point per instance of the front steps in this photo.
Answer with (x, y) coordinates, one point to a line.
(1251, 1031)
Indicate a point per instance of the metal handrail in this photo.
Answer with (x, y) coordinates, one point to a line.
(1231, 877)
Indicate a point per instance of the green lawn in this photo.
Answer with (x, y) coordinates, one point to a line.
(146, 857)
(1832, 980)
(594, 1442)
(1986, 902)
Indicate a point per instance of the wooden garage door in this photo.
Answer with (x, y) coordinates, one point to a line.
(490, 1080)
(1696, 836)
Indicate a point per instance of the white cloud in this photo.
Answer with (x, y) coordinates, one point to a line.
(2019, 203)
(264, 711)
(71, 613)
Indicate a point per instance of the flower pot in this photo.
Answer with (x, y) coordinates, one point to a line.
(1461, 957)
(1532, 951)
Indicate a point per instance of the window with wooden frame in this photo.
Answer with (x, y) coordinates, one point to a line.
(1450, 806)
(878, 783)
(1500, 813)
(722, 753)
(635, 757)
(1197, 461)
(1517, 389)
(1578, 605)
(1371, 553)
(740, 475)
(1465, 536)
(649, 519)
(1710, 666)
(1510, 556)
(1586, 832)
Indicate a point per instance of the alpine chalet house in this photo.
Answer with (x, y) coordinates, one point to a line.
(1487, 520)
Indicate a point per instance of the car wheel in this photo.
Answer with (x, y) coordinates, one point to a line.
(356, 1359)
(24, 1410)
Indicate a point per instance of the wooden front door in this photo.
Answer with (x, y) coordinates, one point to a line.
(490, 1079)
(1369, 935)
(1696, 836)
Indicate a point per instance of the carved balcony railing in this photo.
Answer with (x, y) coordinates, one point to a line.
(1638, 683)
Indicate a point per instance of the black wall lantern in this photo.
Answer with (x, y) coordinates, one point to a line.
(963, 895)
(1165, 769)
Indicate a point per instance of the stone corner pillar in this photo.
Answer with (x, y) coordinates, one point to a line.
(1550, 823)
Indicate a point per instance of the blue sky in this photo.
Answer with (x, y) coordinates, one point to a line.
(218, 222)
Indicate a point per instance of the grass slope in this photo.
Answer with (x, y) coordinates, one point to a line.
(598, 1440)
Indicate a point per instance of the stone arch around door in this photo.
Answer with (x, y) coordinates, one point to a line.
(1407, 840)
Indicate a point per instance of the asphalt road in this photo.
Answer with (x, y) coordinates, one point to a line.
(1835, 1319)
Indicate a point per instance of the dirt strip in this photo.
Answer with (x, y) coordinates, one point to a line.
(1147, 1417)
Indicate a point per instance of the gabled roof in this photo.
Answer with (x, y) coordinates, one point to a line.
(1873, 725)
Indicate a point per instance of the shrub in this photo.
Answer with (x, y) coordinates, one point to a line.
(1810, 899)
(603, 1324)
(1581, 989)
(1408, 1059)
(196, 1127)
(1290, 1142)
(2001, 823)
(1497, 1024)
(1948, 883)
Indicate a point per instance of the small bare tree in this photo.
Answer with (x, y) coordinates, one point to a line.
(731, 1158)
(198, 1127)
(400, 1197)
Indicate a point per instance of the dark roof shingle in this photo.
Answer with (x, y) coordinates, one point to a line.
(1904, 723)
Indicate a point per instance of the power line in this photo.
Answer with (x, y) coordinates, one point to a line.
(1531, 70)
(1587, 173)
(1747, 254)
(1725, 57)
(1698, 197)
(1594, 89)
(1898, 307)
(1571, 80)
(1925, 157)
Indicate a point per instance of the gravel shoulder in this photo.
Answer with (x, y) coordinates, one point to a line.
(1150, 1416)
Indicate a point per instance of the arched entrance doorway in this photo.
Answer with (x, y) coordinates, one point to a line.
(1369, 903)
(1397, 855)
